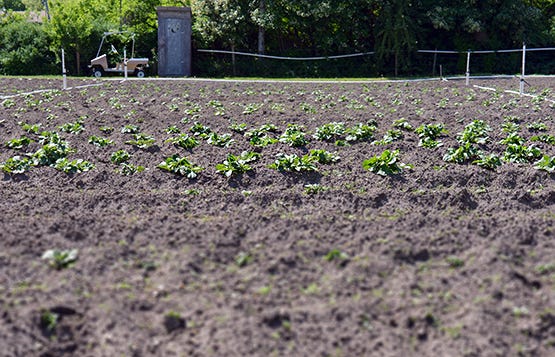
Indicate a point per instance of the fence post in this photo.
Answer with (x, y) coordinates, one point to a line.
(64, 70)
(523, 68)
(468, 67)
(125, 64)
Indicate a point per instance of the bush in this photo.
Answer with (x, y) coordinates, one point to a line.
(25, 47)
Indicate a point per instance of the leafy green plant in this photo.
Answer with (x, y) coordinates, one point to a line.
(243, 258)
(142, 141)
(73, 166)
(429, 133)
(521, 154)
(294, 136)
(314, 188)
(49, 320)
(238, 127)
(60, 259)
(335, 254)
(537, 126)
(474, 133)
(16, 165)
(236, 165)
(386, 164)
(546, 163)
(34, 128)
(402, 124)
(293, 163)
(120, 156)
(185, 141)
(50, 153)
(223, 140)
(100, 141)
(513, 139)
(490, 162)
(173, 129)
(252, 108)
(73, 128)
(464, 153)
(259, 137)
(360, 132)
(18, 143)
(106, 129)
(130, 129)
(544, 138)
(126, 169)
(330, 131)
(200, 130)
(389, 137)
(181, 166)
(324, 157)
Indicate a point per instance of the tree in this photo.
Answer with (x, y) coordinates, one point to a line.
(25, 48)
(395, 35)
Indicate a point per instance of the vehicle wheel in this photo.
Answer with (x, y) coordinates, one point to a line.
(97, 72)
(140, 73)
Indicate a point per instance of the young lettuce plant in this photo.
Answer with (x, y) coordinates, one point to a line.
(324, 157)
(181, 166)
(185, 141)
(294, 163)
(546, 163)
(237, 165)
(294, 136)
(16, 165)
(386, 164)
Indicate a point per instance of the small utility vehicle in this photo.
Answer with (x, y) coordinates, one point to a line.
(102, 64)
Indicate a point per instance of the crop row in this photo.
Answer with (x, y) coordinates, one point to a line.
(473, 146)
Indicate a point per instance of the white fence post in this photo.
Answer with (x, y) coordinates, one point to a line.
(125, 63)
(468, 68)
(523, 69)
(64, 69)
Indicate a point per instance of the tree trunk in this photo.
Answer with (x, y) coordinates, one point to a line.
(78, 61)
(261, 30)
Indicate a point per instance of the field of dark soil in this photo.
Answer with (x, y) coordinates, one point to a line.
(105, 253)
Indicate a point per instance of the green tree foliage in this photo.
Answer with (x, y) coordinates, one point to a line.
(24, 47)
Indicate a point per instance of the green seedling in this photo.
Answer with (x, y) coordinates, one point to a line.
(50, 153)
(126, 169)
(142, 141)
(60, 259)
(429, 133)
(335, 254)
(312, 189)
(324, 157)
(16, 165)
(294, 163)
(19, 143)
(243, 259)
(120, 156)
(100, 141)
(537, 126)
(73, 166)
(185, 141)
(513, 139)
(224, 140)
(360, 132)
(200, 130)
(49, 320)
(330, 132)
(252, 108)
(474, 133)
(238, 128)
(464, 153)
(544, 138)
(386, 164)
(389, 137)
(237, 165)
(521, 154)
(73, 128)
(107, 129)
(490, 162)
(259, 137)
(294, 136)
(181, 166)
(35, 128)
(173, 130)
(546, 163)
(130, 129)
(402, 124)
